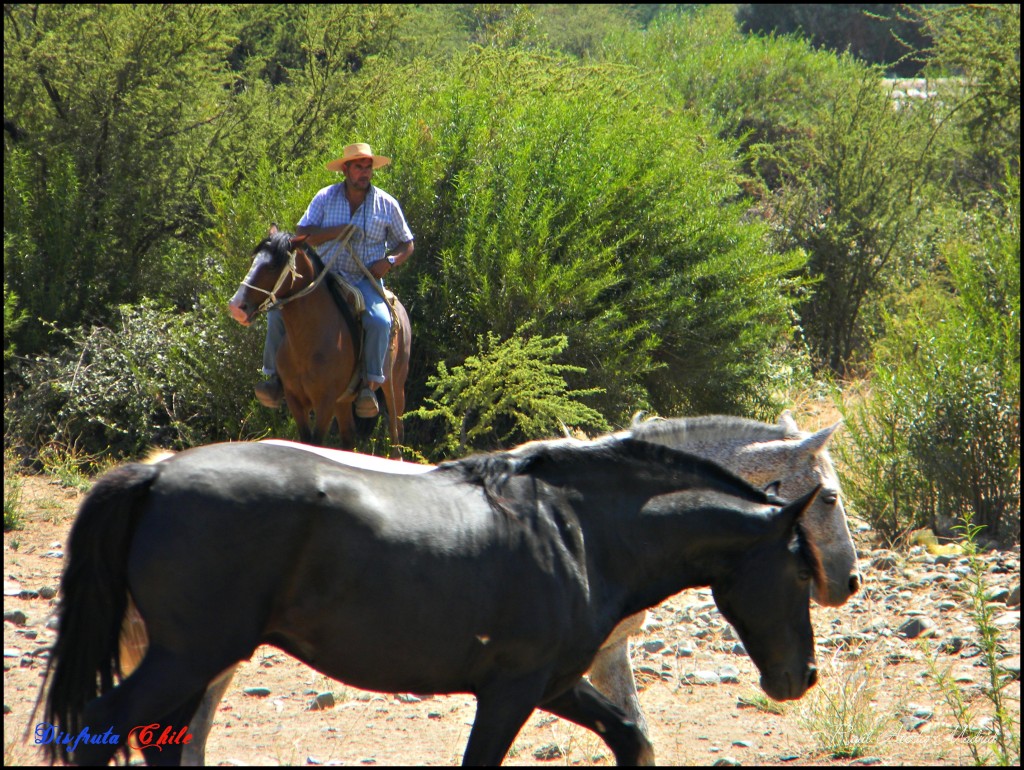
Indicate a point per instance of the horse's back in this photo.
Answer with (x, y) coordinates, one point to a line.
(286, 547)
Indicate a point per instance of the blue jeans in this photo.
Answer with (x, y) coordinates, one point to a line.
(376, 333)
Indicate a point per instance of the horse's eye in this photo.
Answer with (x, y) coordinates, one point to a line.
(804, 574)
(830, 498)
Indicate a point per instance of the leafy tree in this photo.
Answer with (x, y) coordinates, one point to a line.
(109, 159)
(979, 47)
(940, 437)
(106, 154)
(855, 198)
(530, 198)
(877, 33)
(14, 316)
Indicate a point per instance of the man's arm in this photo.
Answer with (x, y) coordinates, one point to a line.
(317, 235)
(381, 267)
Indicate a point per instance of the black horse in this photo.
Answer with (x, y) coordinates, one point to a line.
(499, 575)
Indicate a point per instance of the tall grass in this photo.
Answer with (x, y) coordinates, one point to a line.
(999, 742)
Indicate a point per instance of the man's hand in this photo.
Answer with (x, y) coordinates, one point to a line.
(380, 268)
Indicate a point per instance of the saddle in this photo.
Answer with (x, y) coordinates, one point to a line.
(352, 306)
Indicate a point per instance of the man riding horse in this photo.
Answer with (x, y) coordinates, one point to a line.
(385, 241)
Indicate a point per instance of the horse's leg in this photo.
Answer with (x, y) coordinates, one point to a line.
(585, 706)
(300, 413)
(501, 710)
(194, 754)
(611, 671)
(323, 414)
(163, 686)
(394, 424)
(172, 755)
(346, 424)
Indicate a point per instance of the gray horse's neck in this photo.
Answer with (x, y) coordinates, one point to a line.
(687, 430)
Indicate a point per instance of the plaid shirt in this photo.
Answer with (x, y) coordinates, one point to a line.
(379, 216)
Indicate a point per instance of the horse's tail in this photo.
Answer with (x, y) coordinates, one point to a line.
(94, 585)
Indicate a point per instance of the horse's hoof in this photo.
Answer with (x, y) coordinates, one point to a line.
(270, 392)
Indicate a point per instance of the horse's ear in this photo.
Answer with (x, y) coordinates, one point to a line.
(273, 229)
(786, 421)
(790, 515)
(816, 441)
(298, 240)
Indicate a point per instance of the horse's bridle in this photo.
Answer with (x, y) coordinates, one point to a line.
(289, 270)
(272, 302)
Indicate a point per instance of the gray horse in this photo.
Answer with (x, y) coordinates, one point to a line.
(781, 456)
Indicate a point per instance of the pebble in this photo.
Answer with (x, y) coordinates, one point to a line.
(548, 751)
(911, 723)
(324, 700)
(884, 560)
(17, 617)
(729, 674)
(952, 646)
(918, 627)
(701, 678)
(1011, 665)
(997, 594)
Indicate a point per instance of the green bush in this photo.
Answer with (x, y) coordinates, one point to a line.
(157, 378)
(532, 198)
(510, 392)
(939, 439)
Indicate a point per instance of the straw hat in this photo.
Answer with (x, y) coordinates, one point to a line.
(355, 152)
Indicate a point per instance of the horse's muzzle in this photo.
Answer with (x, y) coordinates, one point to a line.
(785, 686)
(239, 314)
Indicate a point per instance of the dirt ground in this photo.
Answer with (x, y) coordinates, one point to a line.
(869, 672)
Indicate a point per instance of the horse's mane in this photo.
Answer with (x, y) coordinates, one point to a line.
(279, 243)
(493, 471)
(714, 427)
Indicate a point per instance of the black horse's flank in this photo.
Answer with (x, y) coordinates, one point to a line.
(499, 575)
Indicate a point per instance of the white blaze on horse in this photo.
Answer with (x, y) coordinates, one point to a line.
(499, 575)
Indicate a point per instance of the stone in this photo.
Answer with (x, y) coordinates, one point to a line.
(916, 627)
(324, 700)
(17, 617)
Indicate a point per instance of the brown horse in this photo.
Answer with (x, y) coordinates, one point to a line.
(317, 360)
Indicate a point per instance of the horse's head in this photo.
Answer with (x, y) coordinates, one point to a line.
(766, 597)
(788, 462)
(803, 464)
(273, 276)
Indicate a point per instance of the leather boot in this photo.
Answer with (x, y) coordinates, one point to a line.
(366, 404)
(270, 391)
